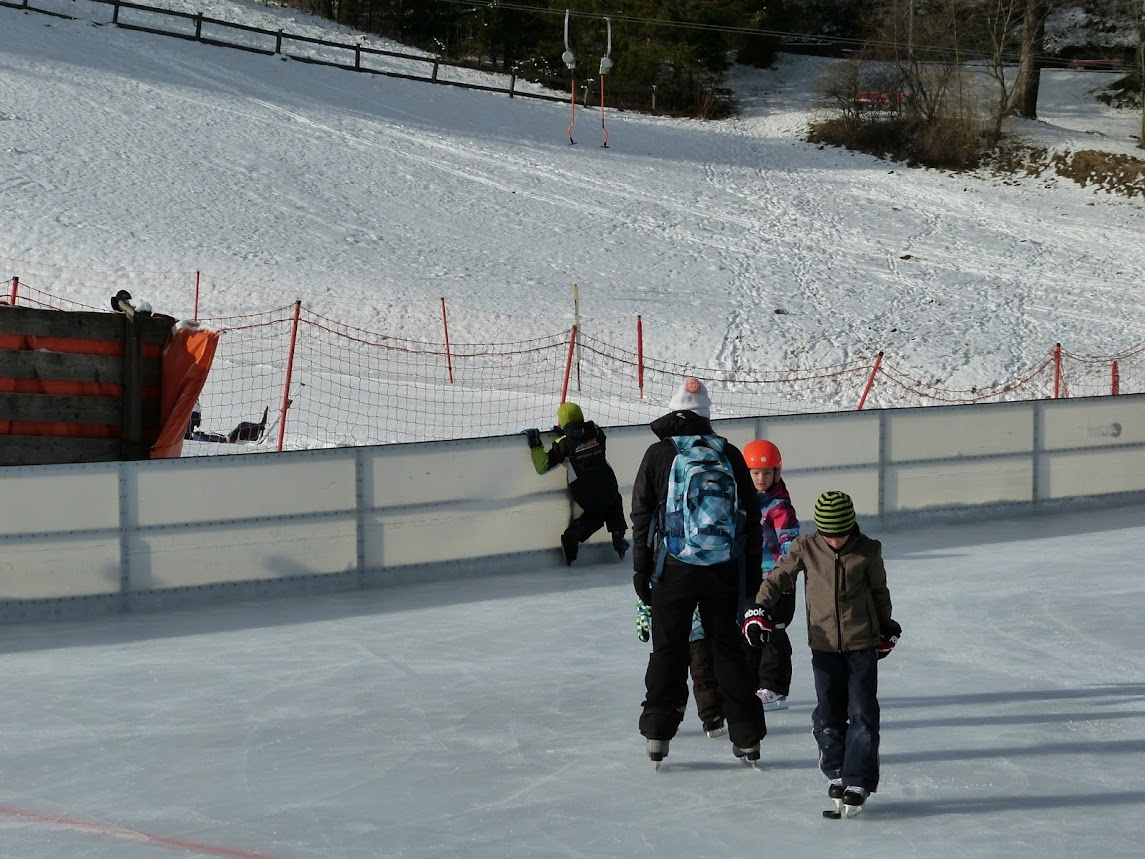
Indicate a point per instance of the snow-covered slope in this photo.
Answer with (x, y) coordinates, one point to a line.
(368, 196)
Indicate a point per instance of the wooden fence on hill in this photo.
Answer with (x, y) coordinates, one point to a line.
(354, 56)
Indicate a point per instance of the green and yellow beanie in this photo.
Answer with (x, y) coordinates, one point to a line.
(568, 413)
(834, 513)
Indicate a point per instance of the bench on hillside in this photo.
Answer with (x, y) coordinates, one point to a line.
(879, 100)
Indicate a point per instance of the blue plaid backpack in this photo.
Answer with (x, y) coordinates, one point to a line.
(700, 517)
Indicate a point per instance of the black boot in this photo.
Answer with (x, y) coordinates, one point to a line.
(569, 546)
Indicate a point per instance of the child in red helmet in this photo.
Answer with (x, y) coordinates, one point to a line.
(780, 527)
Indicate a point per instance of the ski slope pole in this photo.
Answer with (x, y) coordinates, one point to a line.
(605, 68)
(576, 325)
(15, 289)
(640, 356)
(569, 59)
(568, 364)
(289, 372)
(870, 381)
(445, 325)
(1057, 370)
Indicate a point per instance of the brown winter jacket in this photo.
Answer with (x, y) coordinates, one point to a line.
(845, 593)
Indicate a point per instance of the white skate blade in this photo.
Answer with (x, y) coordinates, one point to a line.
(716, 732)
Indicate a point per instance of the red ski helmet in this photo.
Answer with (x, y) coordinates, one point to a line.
(762, 454)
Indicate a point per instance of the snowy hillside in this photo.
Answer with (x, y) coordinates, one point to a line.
(133, 157)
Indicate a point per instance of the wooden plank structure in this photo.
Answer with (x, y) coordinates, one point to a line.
(79, 386)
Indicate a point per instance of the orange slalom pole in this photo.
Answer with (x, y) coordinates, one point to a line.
(286, 400)
(870, 381)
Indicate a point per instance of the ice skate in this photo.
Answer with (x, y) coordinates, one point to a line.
(749, 755)
(835, 792)
(569, 546)
(772, 701)
(714, 728)
(853, 799)
(657, 751)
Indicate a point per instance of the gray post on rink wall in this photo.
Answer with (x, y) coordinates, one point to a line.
(112, 536)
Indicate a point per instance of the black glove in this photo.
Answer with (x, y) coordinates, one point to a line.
(534, 437)
(757, 625)
(891, 634)
(642, 582)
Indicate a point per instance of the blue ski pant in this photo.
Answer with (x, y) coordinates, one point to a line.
(846, 718)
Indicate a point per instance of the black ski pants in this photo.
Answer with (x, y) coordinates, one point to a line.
(773, 660)
(705, 688)
(846, 718)
(590, 521)
(675, 595)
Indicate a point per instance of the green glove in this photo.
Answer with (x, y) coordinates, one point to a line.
(643, 621)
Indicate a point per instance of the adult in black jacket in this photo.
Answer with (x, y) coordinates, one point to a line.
(718, 590)
(581, 447)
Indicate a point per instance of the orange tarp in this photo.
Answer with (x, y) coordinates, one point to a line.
(187, 357)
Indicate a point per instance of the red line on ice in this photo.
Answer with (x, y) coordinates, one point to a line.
(131, 834)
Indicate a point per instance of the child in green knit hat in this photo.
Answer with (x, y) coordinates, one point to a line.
(581, 448)
(849, 628)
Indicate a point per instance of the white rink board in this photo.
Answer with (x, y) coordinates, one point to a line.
(1076, 475)
(111, 532)
(1096, 422)
(823, 440)
(60, 567)
(243, 487)
(66, 499)
(974, 482)
(958, 431)
(250, 552)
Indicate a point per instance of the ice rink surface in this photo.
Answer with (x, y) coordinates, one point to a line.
(496, 717)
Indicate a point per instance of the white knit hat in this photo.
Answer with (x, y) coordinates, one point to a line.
(692, 396)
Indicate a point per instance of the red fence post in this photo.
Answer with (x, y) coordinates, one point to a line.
(448, 356)
(15, 289)
(568, 364)
(640, 356)
(289, 372)
(196, 313)
(1116, 389)
(1057, 370)
(870, 381)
